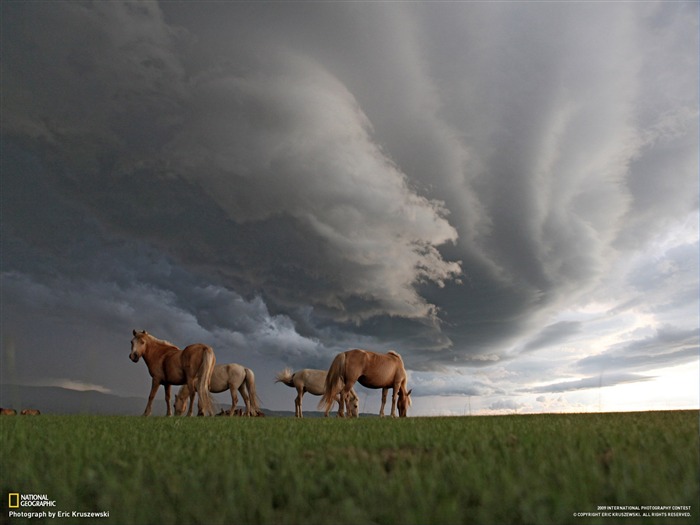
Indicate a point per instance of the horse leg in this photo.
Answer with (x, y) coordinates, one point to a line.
(339, 400)
(345, 394)
(381, 408)
(235, 400)
(154, 388)
(246, 399)
(167, 400)
(341, 403)
(297, 403)
(354, 407)
(394, 395)
(193, 391)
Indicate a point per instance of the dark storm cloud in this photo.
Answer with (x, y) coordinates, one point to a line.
(668, 346)
(288, 180)
(286, 143)
(426, 384)
(553, 334)
(600, 381)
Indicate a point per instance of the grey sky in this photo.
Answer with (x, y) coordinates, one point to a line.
(506, 193)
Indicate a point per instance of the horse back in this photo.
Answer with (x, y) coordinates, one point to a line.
(192, 357)
(227, 376)
(178, 365)
(313, 381)
(374, 370)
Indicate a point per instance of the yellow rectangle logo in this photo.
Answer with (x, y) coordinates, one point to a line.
(13, 502)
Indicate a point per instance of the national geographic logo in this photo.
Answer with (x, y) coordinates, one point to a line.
(34, 506)
(17, 500)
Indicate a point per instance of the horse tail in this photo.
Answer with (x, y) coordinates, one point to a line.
(286, 376)
(334, 382)
(252, 395)
(206, 369)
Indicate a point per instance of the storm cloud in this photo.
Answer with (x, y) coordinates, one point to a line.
(474, 185)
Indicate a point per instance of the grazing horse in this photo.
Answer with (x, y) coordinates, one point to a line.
(227, 377)
(168, 365)
(371, 370)
(30, 412)
(313, 382)
(8, 412)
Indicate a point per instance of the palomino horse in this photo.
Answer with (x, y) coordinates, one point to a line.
(371, 370)
(313, 382)
(227, 377)
(168, 365)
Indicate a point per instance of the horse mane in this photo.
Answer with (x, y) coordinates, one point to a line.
(164, 342)
(155, 339)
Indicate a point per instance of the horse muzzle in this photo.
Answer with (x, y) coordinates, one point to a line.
(134, 357)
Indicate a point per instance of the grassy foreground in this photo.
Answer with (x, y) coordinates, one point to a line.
(485, 470)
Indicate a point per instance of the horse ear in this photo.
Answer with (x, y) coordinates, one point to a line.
(134, 332)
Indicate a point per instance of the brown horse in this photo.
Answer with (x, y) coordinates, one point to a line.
(313, 382)
(8, 412)
(30, 412)
(227, 377)
(371, 370)
(168, 365)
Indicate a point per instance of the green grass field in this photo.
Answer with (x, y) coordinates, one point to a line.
(485, 470)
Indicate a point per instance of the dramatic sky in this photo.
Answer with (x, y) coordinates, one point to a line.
(505, 193)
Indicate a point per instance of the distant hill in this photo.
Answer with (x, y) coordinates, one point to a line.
(57, 400)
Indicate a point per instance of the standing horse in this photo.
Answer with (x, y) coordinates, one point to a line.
(371, 370)
(227, 377)
(168, 365)
(313, 382)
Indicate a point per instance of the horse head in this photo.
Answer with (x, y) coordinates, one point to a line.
(353, 405)
(179, 406)
(404, 401)
(138, 345)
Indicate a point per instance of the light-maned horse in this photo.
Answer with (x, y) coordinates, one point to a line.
(233, 377)
(314, 382)
(371, 370)
(168, 365)
(30, 412)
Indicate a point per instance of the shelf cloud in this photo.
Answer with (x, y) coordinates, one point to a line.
(474, 185)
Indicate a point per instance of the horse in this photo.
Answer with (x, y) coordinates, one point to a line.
(313, 382)
(168, 365)
(371, 370)
(8, 412)
(30, 412)
(227, 377)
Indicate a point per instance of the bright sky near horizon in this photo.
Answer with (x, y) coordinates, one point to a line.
(505, 193)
